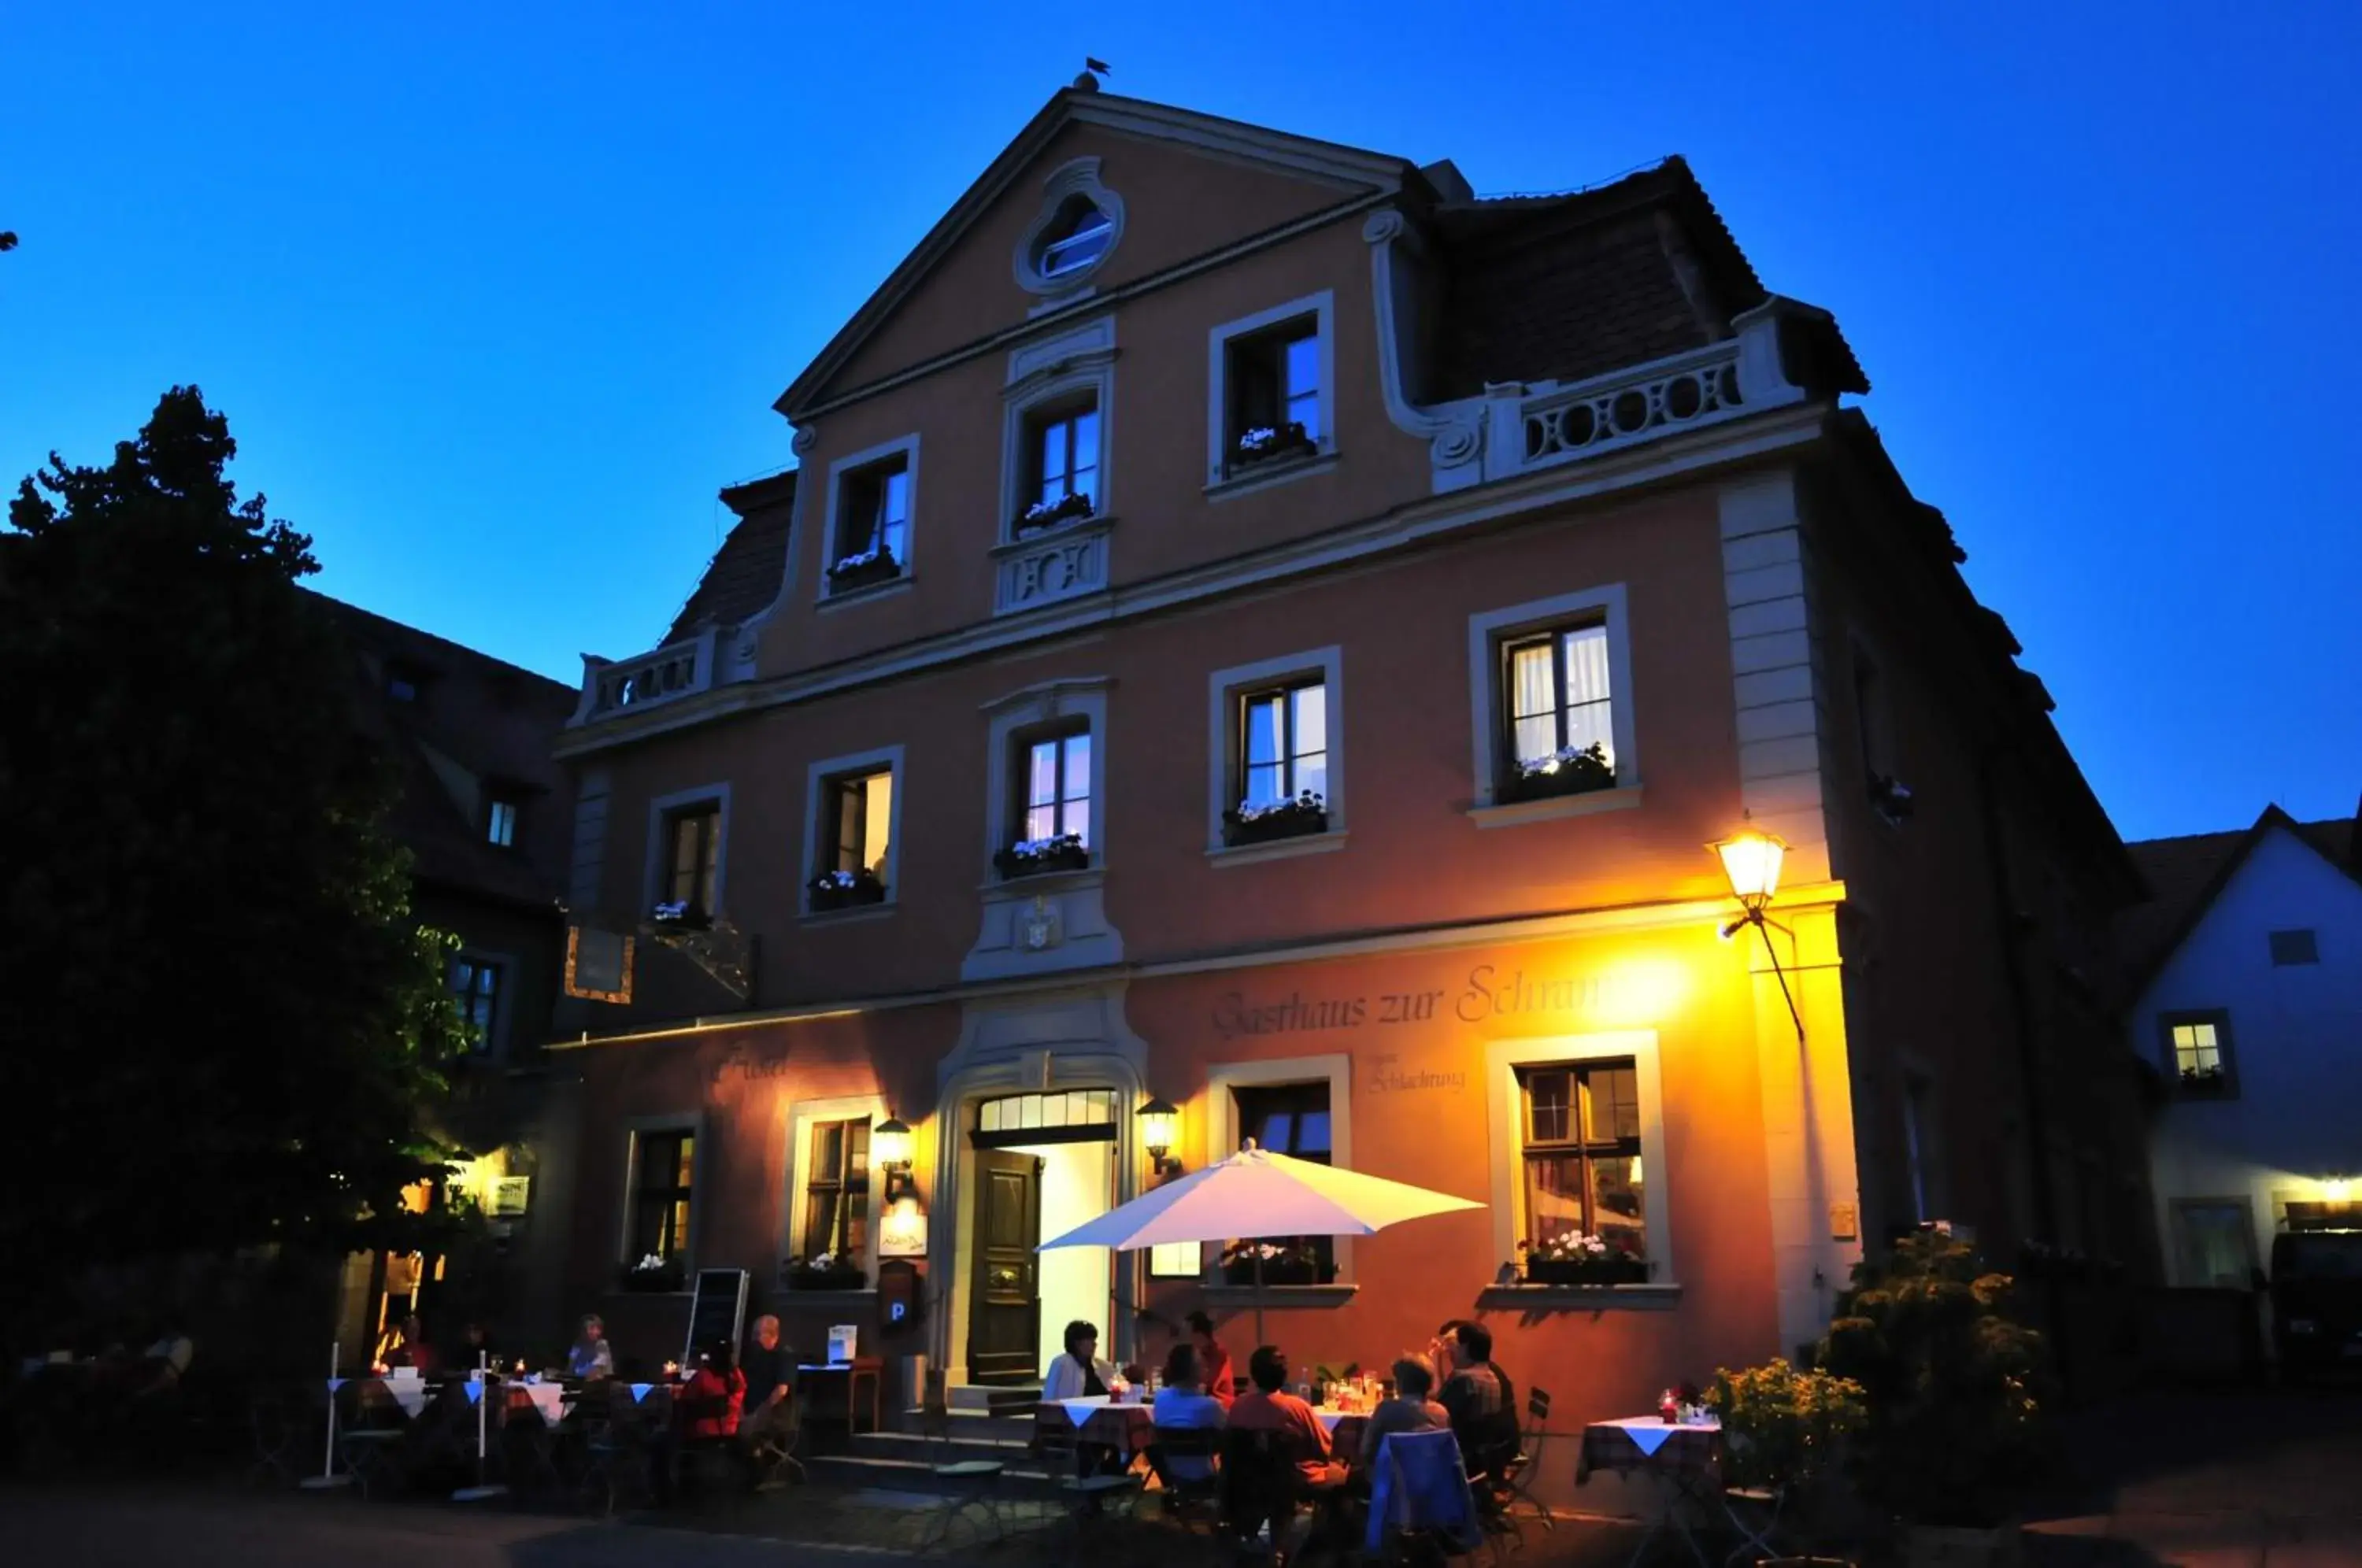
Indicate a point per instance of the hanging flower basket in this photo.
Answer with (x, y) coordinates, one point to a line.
(1043, 515)
(1572, 771)
(1033, 856)
(1265, 443)
(874, 565)
(1309, 812)
(845, 889)
(652, 1274)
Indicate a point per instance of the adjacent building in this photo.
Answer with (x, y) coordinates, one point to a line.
(2249, 967)
(1255, 630)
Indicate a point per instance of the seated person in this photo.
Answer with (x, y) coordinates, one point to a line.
(1184, 1403)
(714, 1395)
(592, 1355)
(408, 1346)
(476, 1349)
(1412, 1409)
(770, 1370)
(1213, 1361)
(1477, 1397)
(1268, 1407)
(1079, 1373)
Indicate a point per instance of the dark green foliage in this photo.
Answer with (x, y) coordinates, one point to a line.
(218, 1023)
(1955, 1385)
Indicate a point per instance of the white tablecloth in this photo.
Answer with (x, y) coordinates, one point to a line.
(1649, 1434)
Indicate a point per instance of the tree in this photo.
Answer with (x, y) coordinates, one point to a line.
(219, 1025)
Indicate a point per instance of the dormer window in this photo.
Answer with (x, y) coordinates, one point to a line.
(1080, 236)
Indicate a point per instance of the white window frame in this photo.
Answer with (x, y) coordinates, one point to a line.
(817, 776)
(1047, 371)
(1076, 177)
(1486, 632)
(1223, 1126)
(1224, 690)
(496, 1034)
(1322, 308)
(1504, 1122)
(701, 1163)
(906, 447)
(801, 1114)
(1040, 707)
(659, 856)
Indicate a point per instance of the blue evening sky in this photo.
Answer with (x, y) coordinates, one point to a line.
(496, 296)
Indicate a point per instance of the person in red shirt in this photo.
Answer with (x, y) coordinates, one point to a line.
(1213, 1361)
(1268, 1407)
(714, 1395)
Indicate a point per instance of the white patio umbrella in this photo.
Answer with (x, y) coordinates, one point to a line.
(1256, 1193)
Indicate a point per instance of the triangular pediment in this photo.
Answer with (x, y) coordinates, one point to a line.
(1183, 185)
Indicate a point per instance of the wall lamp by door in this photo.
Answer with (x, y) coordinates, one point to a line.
(1160, 1122)
(889, 1143)
(1751, 860)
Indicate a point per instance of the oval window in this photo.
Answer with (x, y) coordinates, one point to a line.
(1077, 239)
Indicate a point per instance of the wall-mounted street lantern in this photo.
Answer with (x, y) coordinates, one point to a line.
(1160, 1122)
(1752, 861)
(889, 1145)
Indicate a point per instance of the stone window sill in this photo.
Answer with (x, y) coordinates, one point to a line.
(863, 594)
(1581, 1298)
(1090, 876)
(852, 915)
(1281, 1295)
(1262, 476)
(1051, 535)
(1622, 797)
(1225, 856)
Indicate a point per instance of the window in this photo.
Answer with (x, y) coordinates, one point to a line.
(2199, 1044)
(693, 850)
(476, 987)
(402, 683)
(836, 1190)
(873, 521)
(1282, 744)
(662, 1165)
(2216, 1243)
(501, 823)
(1269, 379)
(2300, 946)
(1292, 1120)
(1080, 236)
(1056, 793)
(1275, 382)
(1583, 1172)
(859, 817)
(1555, 702)
(1065, 445)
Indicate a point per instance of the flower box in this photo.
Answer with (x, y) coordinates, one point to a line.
(1032, 858)
(1586, 1271)
(873, 566)
(1568, 772)
(845, 889)
(1043, 515)
(825, 1279)
(1279, 1271)
(650, 1276)
(666, 919)
(2205, 1081)
(1307, 814)
(1267, 443)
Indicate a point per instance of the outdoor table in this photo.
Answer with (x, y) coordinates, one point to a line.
(1127, 1428)
(1683, 1459)
(1344, 1428)
(861, 1368)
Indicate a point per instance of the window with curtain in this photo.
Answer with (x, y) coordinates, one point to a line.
(1282, 744)
(836, 1190)
(1056, 794)
(1584, 1173)
(860, 812)
(1065, 455)
(1555, 694)
(872, 512)
(1292, 1120)
(663, 1166)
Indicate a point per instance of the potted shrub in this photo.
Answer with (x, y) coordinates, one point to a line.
(845, 889)
(1954, 1388)
(1265, 442)
(1249, 823)
(1572, 770)
(1784, 1430)
(1576, 1258)
(653, 1272)
(1031, 856)
(1284, 1262)
(874, 565)
(824, 1271)
(1047, 514)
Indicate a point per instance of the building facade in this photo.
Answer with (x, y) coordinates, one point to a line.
(1256, 627)
(2249, 1010)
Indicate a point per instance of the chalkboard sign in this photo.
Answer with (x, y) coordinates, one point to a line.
(718, 1311)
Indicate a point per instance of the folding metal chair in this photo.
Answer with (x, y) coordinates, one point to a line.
(1520, 1473)
(272, 1421)
(965, 1483)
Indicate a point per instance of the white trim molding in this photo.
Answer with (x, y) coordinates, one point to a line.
(1454, 431)
(907, 448)
(1504, 1141)
(1069, 560)
(1219, 476)
(664, 806)
(1776, 676)
(1223, 1122)
(1600, 606)
(818, 776)
(1051, 920)
(1077, 177)
(1224, 688)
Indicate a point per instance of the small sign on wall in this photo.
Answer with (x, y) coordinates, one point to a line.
(1845, 1222)
(902, 1233)
(509, 1197)
(598, 964)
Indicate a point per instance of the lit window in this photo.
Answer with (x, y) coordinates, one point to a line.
(2197, 1051)
(1274, 392)
(476, 987)
(1582, 1170)
(664, 1165)
(694, 841)
(836, 1191)
(1066, 446)
(1557, 713)
(1077, 239)
(873, 525)
(500, 823)
(1058, 787)
(861, 815)
(1282, 744)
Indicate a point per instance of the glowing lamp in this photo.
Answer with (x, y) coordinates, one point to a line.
(2337, 1189)
(1752, 861)
(1160, 1122)
(890, 1142)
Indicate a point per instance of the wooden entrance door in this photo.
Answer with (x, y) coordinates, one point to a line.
(1004, 1311)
